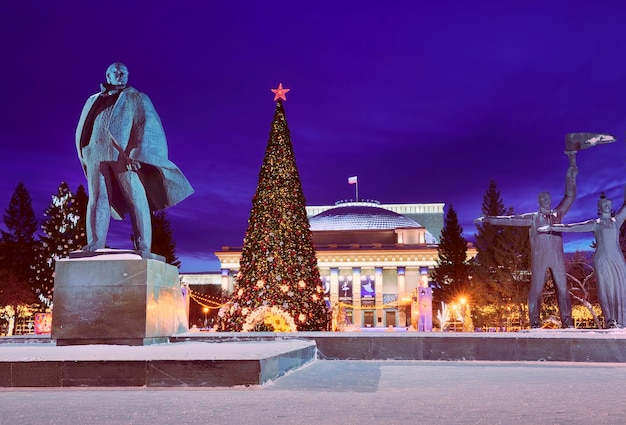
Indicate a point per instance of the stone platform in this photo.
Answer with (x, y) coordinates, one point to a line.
(203, 359)
(193, 364)
(562, 345)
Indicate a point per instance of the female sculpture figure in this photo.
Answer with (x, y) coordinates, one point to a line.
(608, 260)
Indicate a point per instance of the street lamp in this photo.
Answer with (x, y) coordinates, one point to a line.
(206, 311)
(466, 318)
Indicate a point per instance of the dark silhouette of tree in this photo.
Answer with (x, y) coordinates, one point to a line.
(162, 238)
(278, 262)
(501, 268)
(80, 201)
(452, 272)
(18, 252)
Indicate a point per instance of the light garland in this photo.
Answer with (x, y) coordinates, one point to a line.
(204, 301)
(351, 306)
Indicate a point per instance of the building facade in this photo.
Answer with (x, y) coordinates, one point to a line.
(373, 258)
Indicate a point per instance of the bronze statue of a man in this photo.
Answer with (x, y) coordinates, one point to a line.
(546, 249)
(122, 148)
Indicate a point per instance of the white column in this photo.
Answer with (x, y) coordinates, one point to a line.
(334, 285)
(227, 284)
(357, 314)
(401, 294)
(378, 286)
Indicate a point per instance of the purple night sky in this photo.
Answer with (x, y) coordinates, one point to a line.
(423, 102)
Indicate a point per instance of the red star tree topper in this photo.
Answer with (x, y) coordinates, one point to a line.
(280, 93)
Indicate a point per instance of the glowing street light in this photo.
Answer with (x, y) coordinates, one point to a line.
(206, 311)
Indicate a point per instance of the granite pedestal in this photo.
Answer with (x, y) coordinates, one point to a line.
(117, 300)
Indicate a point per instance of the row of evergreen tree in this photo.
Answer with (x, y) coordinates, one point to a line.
(27, 258)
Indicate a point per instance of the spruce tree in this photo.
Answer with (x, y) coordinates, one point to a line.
(162, 239)
(451, 273)
(19, 239)
(501, 268)
(278, 262)
(80, 201)
(60, 237)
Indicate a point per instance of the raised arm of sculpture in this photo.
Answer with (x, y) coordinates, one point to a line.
(570, 191)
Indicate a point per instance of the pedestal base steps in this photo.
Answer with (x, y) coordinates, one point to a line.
(191, 364)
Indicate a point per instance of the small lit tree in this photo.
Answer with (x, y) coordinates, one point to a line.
(444, 316)
(61, 235)
(582, 284)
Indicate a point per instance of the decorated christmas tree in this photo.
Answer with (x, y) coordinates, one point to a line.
(61, 236)
(278, 286)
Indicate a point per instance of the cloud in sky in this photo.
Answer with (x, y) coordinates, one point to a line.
(424, 102)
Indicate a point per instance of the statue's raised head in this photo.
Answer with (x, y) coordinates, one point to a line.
(117, 74)
(604, 204)
(545, 200)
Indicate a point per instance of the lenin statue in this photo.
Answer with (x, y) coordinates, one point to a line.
(122, 148)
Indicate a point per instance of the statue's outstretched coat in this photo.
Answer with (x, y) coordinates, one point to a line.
(136, 129)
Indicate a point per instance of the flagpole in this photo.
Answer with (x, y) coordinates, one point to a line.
(355, 181)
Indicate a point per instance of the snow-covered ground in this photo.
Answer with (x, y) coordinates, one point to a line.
(330, 392)
(352, 392)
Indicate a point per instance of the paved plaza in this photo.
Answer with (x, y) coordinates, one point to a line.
(352, 392)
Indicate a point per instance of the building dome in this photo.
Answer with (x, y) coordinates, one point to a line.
(363, 215)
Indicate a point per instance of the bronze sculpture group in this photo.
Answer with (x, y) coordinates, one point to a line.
(545, 228)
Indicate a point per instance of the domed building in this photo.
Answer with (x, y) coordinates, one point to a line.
(366, 222)
(373, 258)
